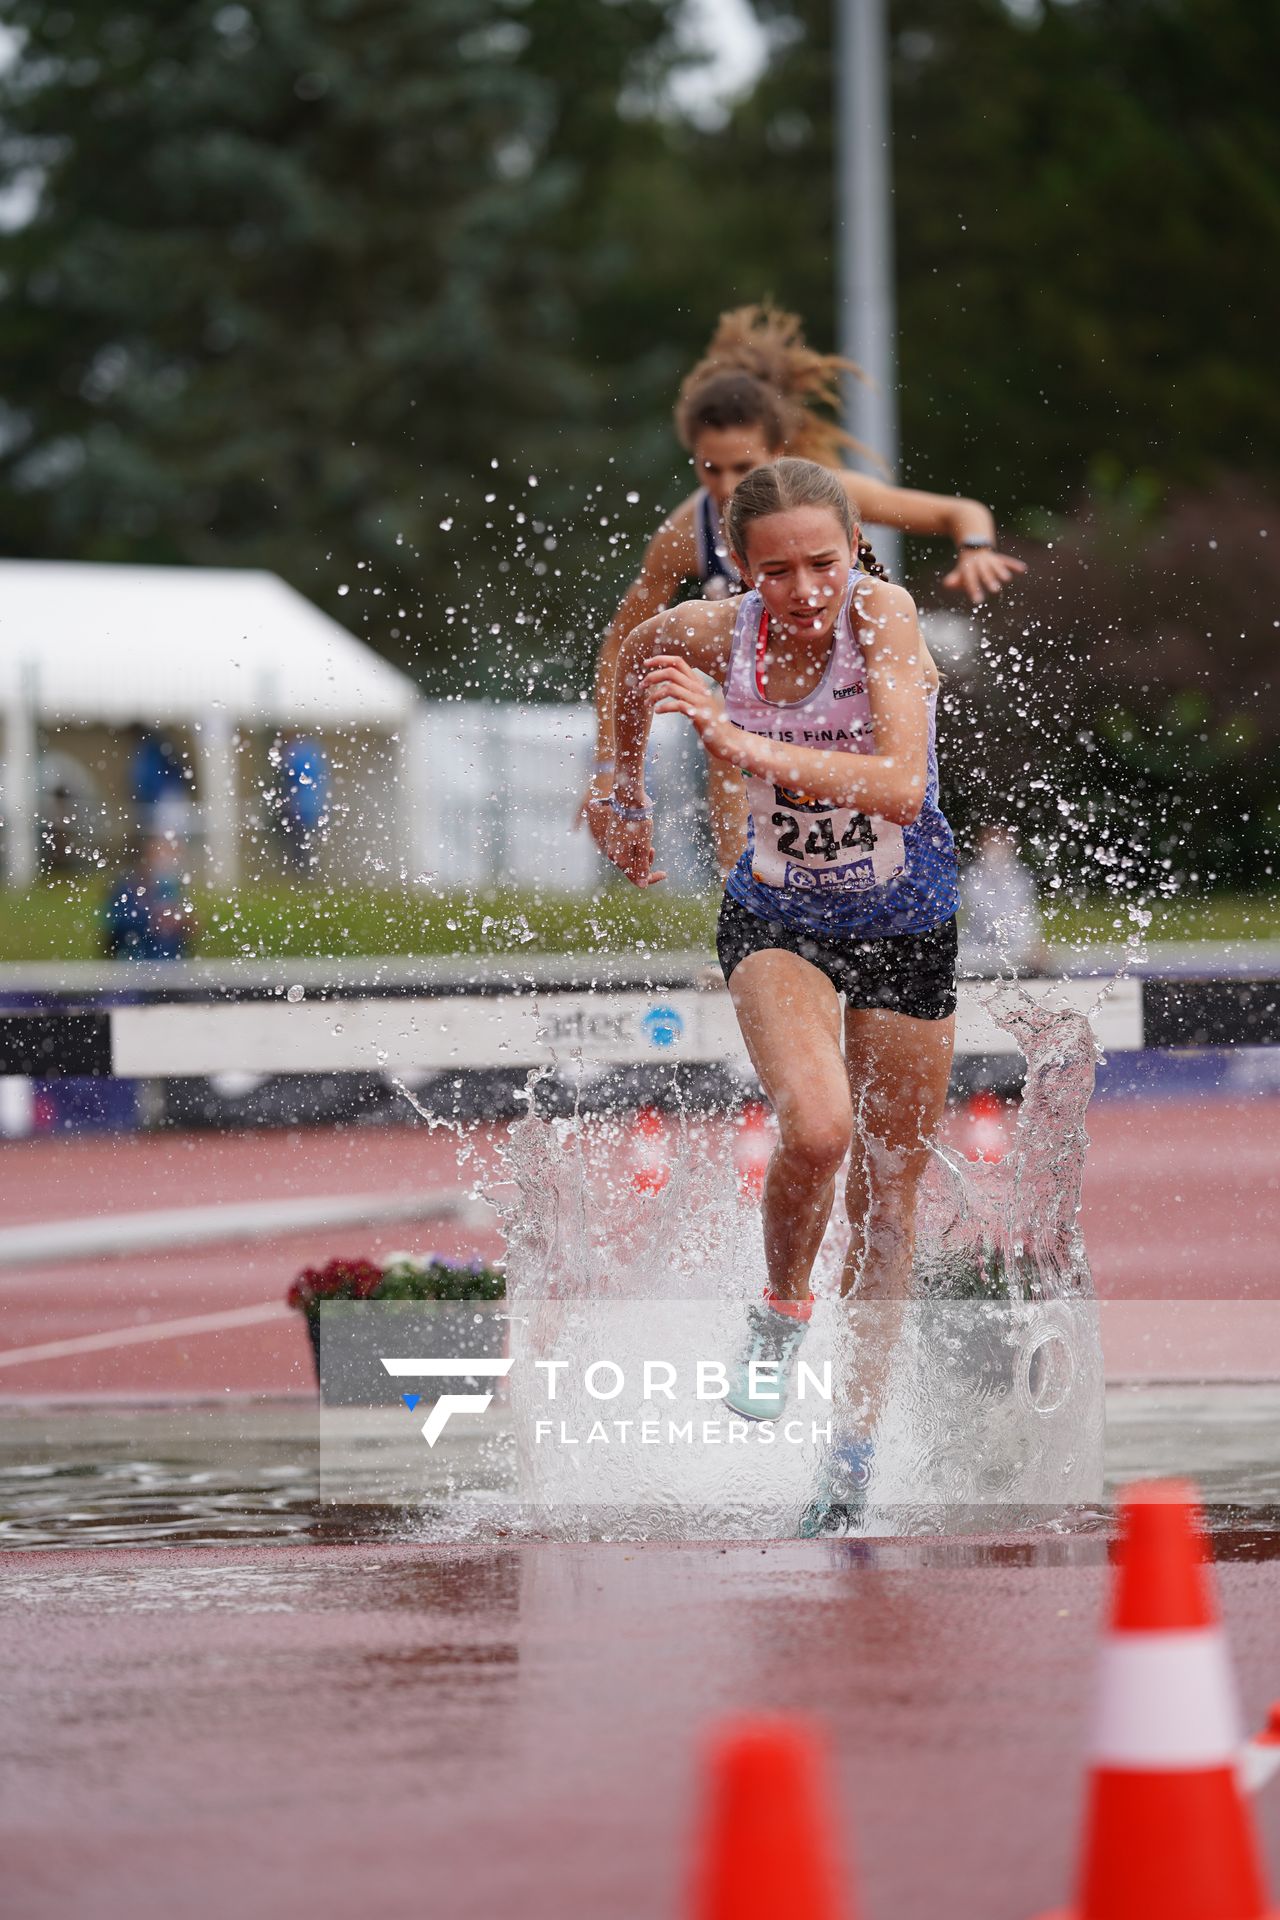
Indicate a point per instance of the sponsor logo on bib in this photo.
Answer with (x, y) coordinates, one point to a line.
(855, 874)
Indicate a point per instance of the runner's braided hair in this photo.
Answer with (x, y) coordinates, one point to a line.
(759, 371)
(868, 562)
(789, 483)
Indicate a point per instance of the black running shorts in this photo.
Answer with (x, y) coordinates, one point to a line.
(912, 973)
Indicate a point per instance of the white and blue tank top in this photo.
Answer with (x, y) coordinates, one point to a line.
(720, 578)
(823, 869)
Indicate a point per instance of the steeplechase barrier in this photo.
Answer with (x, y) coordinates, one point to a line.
(350, 1030)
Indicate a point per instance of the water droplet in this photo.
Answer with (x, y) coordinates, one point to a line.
(344, 589)
(295, 994)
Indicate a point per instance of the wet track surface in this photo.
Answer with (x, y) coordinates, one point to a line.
(224, 1696)
(494, 1730)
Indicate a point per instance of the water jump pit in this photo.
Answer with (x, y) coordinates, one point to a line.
(588, 1405)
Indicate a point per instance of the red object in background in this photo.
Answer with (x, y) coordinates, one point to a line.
(1169, 1834)
(986, 1131)
(753, 1149)
(768, 1848)
(648, 1153)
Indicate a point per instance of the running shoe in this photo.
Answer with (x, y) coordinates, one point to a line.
(842, 1488)
(772, 1339)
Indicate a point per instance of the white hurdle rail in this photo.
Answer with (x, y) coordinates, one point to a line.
(555, 1027)
(512, 1030)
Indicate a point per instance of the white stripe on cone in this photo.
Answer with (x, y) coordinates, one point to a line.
(1166, 1702)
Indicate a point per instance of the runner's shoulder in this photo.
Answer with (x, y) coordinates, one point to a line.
(883, 606)
(700, 630)
(672, 551)
(678, 525)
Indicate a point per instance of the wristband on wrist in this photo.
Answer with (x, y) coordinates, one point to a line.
(602, 766)
(630, 813)
(975, 541)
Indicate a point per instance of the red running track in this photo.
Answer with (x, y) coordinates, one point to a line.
(513, 1731)
(1182, 1201)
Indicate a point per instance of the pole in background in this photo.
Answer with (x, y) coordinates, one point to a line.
(20, 812)
(21, 795)
(864, 235)
(219, 798)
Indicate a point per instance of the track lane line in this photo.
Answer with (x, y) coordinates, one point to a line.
(140, 1336)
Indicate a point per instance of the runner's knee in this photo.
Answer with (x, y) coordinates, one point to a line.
(815, 1140)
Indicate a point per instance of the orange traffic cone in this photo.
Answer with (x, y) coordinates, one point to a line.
(1168, 1833)
(753, 1149)
(768, 1846)
(985, 1137)
(650, 1164)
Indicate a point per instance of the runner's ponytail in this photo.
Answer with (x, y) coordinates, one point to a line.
(759, 370)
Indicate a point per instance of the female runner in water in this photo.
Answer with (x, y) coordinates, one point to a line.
(759, 392)
(847, 887)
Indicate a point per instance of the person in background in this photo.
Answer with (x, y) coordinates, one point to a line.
(160, 784)
(303, 798)
(1001, 929)
(148, 914)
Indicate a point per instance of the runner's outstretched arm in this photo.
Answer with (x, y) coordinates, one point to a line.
(979, 570)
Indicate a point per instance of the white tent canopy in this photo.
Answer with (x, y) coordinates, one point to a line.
(110, 644)
(214, 648)
(218, 651)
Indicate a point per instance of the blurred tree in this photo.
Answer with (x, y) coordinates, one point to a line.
(1090, 203)
(1087, 200)
(1123, 706)
(280, 282)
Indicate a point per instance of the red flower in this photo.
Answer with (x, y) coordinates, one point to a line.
(339, 1279)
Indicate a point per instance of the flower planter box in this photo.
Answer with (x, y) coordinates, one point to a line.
(349, 1339)
(358, 1313)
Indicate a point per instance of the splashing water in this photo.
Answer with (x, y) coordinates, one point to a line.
(995, 1405)
(998, 1395)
